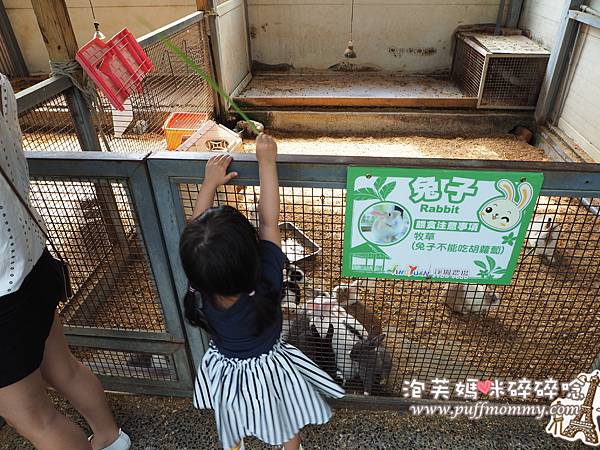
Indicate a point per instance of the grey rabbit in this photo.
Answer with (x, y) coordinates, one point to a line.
(305, 337)
(374, 362)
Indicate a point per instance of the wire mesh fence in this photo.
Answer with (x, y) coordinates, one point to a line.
(93, 224)
(49, 127)
(544, 325)
(172, 87)
(467, 68)
(513, 82)
(145, 366)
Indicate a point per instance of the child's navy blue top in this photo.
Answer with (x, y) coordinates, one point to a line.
(235, 327)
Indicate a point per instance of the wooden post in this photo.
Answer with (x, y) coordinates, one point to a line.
(57, 32)
(16, 62)
(55, 24)
(514, 13)
(203, 5)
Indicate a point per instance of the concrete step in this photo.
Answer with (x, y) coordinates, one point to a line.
(398, 122)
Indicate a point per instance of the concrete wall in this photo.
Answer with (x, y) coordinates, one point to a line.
(139, 16)
(405, 35)
(577, 111)
(540, 18)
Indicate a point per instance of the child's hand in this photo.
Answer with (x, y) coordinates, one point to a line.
(266, 149)
(215, 173)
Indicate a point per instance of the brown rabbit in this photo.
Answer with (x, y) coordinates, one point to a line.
(464, 299)
(347, 296)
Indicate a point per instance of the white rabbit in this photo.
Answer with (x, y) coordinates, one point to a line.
(463, 298)
(252, 214)
(290, 311)
(389, 226)
(542, 236)
(323, 310)
(503, 214)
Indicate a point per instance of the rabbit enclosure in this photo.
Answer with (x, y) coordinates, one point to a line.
(545, 325)
(116, 217)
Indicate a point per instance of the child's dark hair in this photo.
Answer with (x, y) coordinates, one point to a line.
(220, 256)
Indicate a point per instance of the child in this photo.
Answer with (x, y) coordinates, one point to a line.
(256, 384)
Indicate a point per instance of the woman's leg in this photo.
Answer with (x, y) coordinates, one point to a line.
(26, 407)
(79, 386)
(293, 443)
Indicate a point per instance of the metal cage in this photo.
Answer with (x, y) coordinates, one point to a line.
(503, 72)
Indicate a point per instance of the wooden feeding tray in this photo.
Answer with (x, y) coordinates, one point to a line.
(212, 137)
(296, 245)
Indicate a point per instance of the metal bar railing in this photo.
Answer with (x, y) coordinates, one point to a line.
(316, 171)
(136, 209)
(170, 29)
(163, 187)
(40, 92)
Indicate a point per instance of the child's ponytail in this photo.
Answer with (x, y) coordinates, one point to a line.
(192, 308)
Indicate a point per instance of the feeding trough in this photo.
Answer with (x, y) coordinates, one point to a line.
(296, 245)
(212, 137)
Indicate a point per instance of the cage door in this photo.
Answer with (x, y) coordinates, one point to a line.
(232, 55)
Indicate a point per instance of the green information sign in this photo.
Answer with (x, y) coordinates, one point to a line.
(440, 225)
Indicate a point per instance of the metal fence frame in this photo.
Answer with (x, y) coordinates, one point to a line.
(90, 163)
(167, 170)
(153, 180)
(132, 168)
(79, 110)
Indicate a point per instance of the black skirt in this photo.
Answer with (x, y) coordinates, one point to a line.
(26, 317)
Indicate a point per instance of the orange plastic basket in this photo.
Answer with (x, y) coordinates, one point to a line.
(181, 125)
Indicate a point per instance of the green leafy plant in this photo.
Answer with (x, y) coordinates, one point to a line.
(380, 191)
(205, 76)
(488, 269)
(509, 239)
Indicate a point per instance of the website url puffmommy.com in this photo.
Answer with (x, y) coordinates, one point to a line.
(480, 409)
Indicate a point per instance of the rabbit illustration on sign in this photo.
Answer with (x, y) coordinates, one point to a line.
(504, 213)
(389, 226)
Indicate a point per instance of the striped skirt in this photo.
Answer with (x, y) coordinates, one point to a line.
(271, 396)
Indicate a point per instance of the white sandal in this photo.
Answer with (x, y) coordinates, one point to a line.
(123, 442)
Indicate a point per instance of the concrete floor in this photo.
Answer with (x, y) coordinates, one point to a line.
(163, 423)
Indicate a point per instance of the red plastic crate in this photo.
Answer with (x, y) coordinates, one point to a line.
(117, 67)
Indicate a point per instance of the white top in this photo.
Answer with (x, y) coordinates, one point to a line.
(21, 242)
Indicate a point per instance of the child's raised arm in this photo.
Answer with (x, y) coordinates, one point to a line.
(215, 175)
(266, 153)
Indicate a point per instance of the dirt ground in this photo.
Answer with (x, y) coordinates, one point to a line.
(548, 319)
(504, 147)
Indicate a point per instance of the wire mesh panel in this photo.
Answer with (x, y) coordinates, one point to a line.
(49, 127)
(545, 324)
(502, 71)
(171, 87)
(513, 82)
(467, 68)
(145, 366)
(93, 224)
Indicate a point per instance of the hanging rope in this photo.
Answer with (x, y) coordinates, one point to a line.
(92, 8)
(351, 20)
(71, 70)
